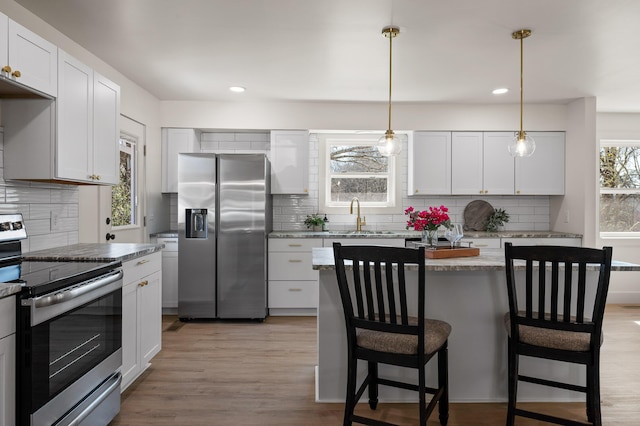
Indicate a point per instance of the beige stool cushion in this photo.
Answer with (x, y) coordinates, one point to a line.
(436, 332)
(549, 338)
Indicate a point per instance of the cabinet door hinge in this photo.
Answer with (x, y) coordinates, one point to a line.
(144, 150)
(144, 221)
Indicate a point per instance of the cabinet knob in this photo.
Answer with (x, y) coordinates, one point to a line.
(6, 69)
(142, 262)
(306, 190)
(416, 191)
(295, 260)
(143, 283)
(481, 191)
(486, 191)
(518, 191)
(16, 74)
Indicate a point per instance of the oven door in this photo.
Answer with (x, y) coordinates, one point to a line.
(70, 345)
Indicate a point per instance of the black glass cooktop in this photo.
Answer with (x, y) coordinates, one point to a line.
(38, 278)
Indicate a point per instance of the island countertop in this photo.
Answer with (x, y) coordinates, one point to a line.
(415, 234)
(94, 252)
(488, 260)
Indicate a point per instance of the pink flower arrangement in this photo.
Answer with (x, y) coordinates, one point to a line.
(428, 220)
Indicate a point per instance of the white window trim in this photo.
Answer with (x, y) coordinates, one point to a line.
(134, 151)
(616, 235)
(395, 164)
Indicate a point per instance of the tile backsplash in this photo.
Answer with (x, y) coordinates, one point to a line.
(289, 211)
(39, 203)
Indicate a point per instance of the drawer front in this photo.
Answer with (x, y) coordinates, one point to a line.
(393, 242)
(294, 244)
(136, 269)
(293, 294)
(551, 241)
(291, 266)
(7, 316)
(170, 244)
(482, 243)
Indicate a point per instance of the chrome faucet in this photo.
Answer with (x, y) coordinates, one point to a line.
(359, 221)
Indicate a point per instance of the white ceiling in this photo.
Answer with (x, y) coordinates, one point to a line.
(453, 51)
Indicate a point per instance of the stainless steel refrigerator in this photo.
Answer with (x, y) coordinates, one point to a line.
(224, 217)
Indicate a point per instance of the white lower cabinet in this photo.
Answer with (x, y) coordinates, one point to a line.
(293, 284)
(141, 315)
(169, 274)
(550, 241)
(482, 243)
(7, 361)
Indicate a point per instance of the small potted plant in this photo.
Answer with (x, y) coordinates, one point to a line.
(314, 222)
(497, 220)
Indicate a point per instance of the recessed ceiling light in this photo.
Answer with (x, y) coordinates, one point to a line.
(237, 89)
(500, 91)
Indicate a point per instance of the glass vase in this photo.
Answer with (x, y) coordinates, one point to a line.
(430, 237)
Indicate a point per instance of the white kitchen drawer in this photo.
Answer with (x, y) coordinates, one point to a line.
(294, 244)
(293, 294)
(136, 269)
(482, 243)
(7, 316)
(170, 244)
(393, 242)
(551, 241)
(291, 266)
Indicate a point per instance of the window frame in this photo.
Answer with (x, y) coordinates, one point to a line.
(394, 184)
(615, 143)
(134, 180)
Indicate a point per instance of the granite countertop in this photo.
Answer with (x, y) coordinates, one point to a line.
(94, 252)
(488, 260)
(415, 234)
(8, 289)
(165, 234)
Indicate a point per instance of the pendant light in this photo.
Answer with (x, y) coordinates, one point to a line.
(522, 145)
(390, 144)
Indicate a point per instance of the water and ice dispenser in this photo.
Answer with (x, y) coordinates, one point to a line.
(196, 223)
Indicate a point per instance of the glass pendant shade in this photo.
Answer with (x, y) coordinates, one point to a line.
(389, 144)
(522, 145)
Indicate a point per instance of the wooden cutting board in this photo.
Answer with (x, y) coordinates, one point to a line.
(443, 253)
(476, 215)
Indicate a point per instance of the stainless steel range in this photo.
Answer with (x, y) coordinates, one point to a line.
(69, 335)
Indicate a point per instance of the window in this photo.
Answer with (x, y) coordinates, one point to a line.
(351, 166)
(123, 195)
(619, 188)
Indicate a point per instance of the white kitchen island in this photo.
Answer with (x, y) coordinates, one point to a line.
(469, 293)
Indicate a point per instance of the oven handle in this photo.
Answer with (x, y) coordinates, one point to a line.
(72, 293)
(116, 379)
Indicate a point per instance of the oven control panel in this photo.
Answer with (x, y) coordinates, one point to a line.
(12, 227)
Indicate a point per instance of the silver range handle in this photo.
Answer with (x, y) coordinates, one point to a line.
(50, 306)
(76, 291)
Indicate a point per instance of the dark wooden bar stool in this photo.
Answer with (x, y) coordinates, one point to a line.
(552, 324)
(380, 329)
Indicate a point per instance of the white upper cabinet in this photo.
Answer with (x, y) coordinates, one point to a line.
(88, 124)
(27, 58)
(429, 163)
(106, 129)
(481, 164)
(543, 172)
(175, 141)
(289, 162)
(498, 165)
(76, 137)
(466, 163)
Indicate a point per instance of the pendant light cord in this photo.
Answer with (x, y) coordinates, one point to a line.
(521, 83)
(391, 35)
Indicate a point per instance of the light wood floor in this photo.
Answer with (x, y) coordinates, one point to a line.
(244, 373)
